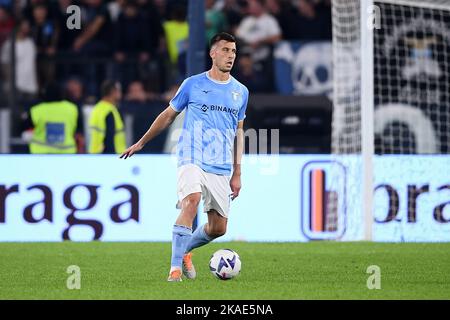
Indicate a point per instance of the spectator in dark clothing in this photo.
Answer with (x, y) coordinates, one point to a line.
(94, 41)
(96, 27)
(66, 36)
(27, 12)
(161, 7)
(44, 32)
(129, 36)
(314, 20)
(251, 74)
(324, 14)
(132, 50)
(70, 65)
(156, 74)
(287, 16)
(233, 10)
(155, 32)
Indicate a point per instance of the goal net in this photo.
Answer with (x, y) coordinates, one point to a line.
(391, 97)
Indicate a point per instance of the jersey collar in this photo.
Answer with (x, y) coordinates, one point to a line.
(217, 81)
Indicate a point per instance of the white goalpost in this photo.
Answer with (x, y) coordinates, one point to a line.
(391, 66)
(367, 113)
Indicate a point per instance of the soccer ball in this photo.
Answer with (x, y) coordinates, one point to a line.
(225, 264)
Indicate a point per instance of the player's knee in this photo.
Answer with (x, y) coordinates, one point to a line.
(191, 201)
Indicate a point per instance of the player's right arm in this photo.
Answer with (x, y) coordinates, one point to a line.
(164, 120)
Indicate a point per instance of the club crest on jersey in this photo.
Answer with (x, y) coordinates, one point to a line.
(235, 95)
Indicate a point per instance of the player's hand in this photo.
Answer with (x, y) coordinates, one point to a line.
(131, 150)
(235, 184)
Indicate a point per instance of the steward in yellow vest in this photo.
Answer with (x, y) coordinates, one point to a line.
(54, 123)
(107, 132)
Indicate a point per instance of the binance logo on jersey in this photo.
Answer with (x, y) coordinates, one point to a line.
(220, 108)
(224, 109)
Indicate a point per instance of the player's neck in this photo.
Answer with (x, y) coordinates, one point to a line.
(218, 75)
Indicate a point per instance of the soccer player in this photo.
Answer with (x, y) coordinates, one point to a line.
(209, 151)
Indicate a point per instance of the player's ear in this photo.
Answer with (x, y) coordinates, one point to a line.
(212, 51)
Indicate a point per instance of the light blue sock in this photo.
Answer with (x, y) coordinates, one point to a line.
(180, 238)
(199, 238)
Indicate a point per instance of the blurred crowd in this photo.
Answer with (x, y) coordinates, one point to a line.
(141, 40)
(140, 43)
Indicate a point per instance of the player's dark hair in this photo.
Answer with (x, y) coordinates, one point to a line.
(108, 87)
(221, 36)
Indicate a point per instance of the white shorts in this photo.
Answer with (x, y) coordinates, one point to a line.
(215, 189)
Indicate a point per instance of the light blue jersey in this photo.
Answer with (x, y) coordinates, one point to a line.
(213, 110)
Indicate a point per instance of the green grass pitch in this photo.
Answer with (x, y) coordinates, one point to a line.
(315, 270)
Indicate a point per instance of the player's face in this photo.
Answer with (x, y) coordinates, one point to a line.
(223, 55)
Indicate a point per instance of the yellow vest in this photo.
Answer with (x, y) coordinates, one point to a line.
(55, 124)
(176, 33)
(97, 128)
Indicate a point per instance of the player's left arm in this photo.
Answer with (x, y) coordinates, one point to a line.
(235, 182)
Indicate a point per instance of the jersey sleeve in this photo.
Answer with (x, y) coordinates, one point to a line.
(241, 115)
(181, 99)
